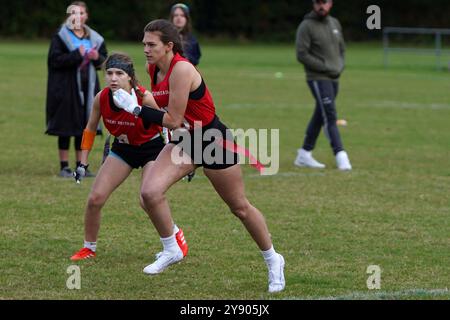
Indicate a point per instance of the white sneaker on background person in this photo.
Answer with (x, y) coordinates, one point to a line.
(305, 159)
(342, 161)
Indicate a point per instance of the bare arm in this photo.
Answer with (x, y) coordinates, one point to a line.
(183, 80)
(149, 101)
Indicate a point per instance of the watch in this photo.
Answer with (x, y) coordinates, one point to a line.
(137, 111)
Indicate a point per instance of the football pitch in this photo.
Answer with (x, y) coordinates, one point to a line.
(391, 211)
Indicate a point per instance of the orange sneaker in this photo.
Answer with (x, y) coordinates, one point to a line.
(83, 254)
(182, 242)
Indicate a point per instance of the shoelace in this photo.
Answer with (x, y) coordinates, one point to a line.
(165, 258)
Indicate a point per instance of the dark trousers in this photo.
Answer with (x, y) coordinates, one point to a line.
(64, 143)
(325, 93)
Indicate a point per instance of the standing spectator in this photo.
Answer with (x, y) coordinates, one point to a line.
(321, 49)
(76, 52)
(181, 18)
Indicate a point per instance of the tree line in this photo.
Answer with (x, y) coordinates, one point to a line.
(260, 20)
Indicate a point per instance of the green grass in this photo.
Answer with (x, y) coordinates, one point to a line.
(392, 210)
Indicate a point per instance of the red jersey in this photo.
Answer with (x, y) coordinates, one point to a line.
(200, 106)
(123, 125)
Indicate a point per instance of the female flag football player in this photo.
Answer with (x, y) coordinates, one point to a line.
(178, 87)
(137, 144)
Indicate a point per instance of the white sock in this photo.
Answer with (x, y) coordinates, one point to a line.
(170, 243)
(90, 245)
(175, 228)
(269, 255)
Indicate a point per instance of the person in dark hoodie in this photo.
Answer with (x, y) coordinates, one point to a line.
(321, 49)
(181, 18)
(76, 52)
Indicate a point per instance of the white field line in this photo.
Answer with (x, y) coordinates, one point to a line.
(406, 105)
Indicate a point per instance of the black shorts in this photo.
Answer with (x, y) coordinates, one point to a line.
(137, 156)
(204, 147)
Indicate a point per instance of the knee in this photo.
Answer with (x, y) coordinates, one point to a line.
(96, 200)
(151, 196)
(142, 203)
(241, 210)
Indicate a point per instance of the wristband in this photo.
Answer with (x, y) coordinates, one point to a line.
(150, 115)
(88, 140)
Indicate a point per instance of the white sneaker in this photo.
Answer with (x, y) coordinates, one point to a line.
(342, 161)
(165, 259)
(276, 275)
(305, 159)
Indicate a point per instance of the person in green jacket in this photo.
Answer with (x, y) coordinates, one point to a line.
(321, 49)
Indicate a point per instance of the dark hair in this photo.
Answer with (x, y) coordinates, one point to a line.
(188, 27)
(167, 33)
(123, 58)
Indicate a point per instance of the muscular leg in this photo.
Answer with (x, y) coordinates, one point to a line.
(230, 186)
(157, 179)
(112, 173)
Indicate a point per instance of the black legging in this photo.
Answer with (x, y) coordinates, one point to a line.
(64, 143)
(325, 115)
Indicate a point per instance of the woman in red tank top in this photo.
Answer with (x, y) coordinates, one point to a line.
(179, 88)
(137, 144)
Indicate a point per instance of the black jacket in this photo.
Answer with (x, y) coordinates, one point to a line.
(65, 114)
(191, 49)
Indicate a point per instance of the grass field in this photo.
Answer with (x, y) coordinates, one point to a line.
(392, 210)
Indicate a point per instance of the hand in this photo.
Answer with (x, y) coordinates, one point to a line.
(80, 173)
(334, 75)
(93, 54)
(127, 102)
(82, 50)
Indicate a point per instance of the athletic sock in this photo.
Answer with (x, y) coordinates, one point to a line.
(269, 255)
(78, 164)
(175, 229)
(170, 243)
(90, 245)
(64, 164)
